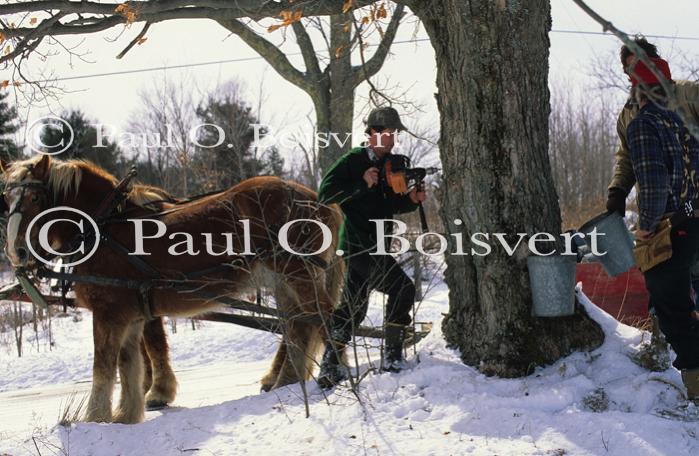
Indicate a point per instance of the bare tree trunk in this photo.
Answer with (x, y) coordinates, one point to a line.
(35, 325)
(339, 92)
(417, 275)
(334, 117)
(48, 315)
(18, 326)
(492, 65)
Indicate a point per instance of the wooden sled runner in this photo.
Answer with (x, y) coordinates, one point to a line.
(242, 313)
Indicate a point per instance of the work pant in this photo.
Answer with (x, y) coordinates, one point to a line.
(365, 273)
(669, 286)
(695, 283)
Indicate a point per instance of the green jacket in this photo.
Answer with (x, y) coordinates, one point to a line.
(344, 185)
(687, 93)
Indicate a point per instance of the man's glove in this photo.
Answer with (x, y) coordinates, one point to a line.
(616, 200)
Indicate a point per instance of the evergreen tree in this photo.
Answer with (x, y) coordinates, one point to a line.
(233, 160)
(8, 126)
(273, 163)
(85, 144)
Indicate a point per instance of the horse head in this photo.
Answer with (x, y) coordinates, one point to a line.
(25, 196)
(74, 188)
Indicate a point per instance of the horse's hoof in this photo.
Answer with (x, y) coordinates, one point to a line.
(155, 405)
(266, 387)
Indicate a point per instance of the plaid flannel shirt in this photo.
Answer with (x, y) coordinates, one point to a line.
(656, 144)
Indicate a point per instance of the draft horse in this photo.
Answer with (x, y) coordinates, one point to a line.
(159, 383)
(191, 272)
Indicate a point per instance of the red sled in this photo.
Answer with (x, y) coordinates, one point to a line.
(624, 297)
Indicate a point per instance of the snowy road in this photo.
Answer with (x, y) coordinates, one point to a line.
(26, 409)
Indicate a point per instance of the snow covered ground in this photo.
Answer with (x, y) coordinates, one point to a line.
(439, 407)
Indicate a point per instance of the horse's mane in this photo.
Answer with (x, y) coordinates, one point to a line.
(65, 177)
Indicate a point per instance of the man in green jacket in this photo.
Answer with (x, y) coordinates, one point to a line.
(353, 183)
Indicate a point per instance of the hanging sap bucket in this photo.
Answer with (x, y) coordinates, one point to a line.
(613, 238)
(552, 281)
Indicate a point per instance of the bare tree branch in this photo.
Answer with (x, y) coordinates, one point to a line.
(689, 65)
(374, 64)
(670, 98)
(108, 15)
(30, 42)
(253, 9)
(373, 91)
(307, 50)
(272, 54)
(134, 41)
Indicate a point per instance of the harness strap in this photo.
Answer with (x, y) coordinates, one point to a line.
(23, 185)
(147, 286)
(145, 295)
(141, 265)
(115, 198)
(89, 279)
(145, 298)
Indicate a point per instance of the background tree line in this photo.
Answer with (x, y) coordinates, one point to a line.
(171, 140)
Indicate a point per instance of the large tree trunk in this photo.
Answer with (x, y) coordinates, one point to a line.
(492, 66)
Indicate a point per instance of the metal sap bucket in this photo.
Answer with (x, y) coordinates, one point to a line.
(617, 242)
(552, 281)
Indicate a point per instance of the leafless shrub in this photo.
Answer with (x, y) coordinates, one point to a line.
(71, 409)
(582, 145)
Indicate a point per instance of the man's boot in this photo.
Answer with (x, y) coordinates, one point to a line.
(690, 378)
(394, 335)
(332, 370)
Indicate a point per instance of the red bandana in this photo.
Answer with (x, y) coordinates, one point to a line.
(641, 72)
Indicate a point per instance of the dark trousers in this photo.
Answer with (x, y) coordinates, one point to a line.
(365, 273)
(695, 283)
(669, 286)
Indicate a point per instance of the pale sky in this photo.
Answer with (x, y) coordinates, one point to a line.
(113, 99)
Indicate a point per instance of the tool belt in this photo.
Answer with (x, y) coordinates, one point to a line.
(658, 247)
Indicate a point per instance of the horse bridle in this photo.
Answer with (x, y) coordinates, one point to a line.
(17, 209)
(24, 186)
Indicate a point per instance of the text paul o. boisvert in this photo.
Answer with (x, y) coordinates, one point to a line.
(222, 244)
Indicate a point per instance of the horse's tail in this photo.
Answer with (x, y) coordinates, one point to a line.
(336, 266)
(330, 262)
(334, 277)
